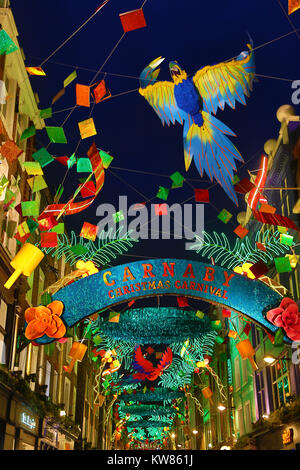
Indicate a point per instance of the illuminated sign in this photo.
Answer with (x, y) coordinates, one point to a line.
(287, 436)
(178, 277)
(28, 421)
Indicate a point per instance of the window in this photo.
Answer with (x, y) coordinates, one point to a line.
(67, 390)
(237, 375)
(248, 419)
(3, 314)
(54, 388)
(48, 377)
(255, 336)
(245, 371)
(260, 392)
(281, 382)
(240, 421)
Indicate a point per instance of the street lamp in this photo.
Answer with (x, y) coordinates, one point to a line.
(221, 407)
(195, 431)
(269, 359)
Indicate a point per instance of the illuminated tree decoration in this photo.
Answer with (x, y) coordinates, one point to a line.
(108, 247)
(219, 247)
(160, 394)
(146, 410)
(154, 325)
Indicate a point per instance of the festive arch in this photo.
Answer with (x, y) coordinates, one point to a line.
(179, 277)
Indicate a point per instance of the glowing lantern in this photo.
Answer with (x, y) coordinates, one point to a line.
(246, 351)
(207, 393)
(25, 262)
(232, 334)
(77, 353)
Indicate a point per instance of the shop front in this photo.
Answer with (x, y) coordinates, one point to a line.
(285, 437)
(26, 426)
(49, 436)
(3, 415)
(65, 440)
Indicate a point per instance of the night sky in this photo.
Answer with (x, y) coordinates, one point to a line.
(195, 33)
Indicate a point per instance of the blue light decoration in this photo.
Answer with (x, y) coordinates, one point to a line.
(140, 279)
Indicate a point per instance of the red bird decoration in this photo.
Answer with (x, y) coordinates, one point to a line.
(146, 370)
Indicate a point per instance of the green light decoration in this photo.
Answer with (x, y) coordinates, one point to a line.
(109, 245)
(146, 410)
(163, 395)
(124, 349)
(157, 326)
(149, 423)
(177, 375)
(218, 247)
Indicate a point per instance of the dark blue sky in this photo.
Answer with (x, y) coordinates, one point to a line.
(195, 33)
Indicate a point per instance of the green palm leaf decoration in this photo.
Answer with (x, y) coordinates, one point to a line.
(108, 247)
(244, 250)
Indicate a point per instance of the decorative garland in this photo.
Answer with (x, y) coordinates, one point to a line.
(108, 247)
(218, 247)
(157, 326)
(146, 410)
(148, 424)
(165, 395)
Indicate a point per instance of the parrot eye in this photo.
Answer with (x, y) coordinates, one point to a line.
(175, 71)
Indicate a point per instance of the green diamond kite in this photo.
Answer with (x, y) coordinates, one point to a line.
(46, 113)
(224, 216)
(84, 165)
(43, 157)
(106, 159)
(163, 193)
(59, 228)
(118, 216)
(7, 46)
(283, 265)
(30, 208)
(177, 179)
(286, 239)
(56, 135)
(29, 132)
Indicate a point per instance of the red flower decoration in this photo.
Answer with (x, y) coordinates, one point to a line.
(287, 316)
(45, 321)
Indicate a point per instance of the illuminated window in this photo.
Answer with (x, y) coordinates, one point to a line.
(248, 418)
(260, 392)
(240, 421)
(237, 374)
(281, 382)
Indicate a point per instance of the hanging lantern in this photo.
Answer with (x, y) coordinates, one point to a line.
(77, 353)
(207, 393)
(25, 262)
(246, 351)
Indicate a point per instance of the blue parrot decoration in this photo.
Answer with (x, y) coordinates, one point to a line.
(192, 101)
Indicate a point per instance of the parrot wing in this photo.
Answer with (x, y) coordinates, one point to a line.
(140, 364)
(226, 82)
(166, 359)
(161, 97)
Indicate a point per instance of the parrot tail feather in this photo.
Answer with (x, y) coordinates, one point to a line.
(205, 141)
